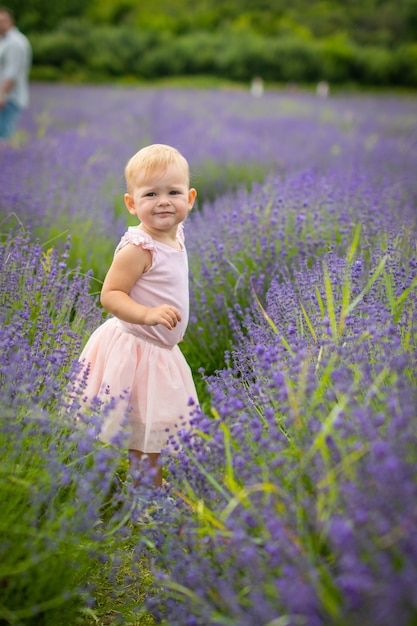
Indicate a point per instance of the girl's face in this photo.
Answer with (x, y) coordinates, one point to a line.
(162, 201)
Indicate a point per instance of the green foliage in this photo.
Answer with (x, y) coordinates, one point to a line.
(58, 49)
(298, 60)
(338, 57)
(244, 55)
(280, 41)
(375, 66)
(76, 51)
(43, 15)
(184, 48)
(385, 23)
(405, 65)
(119, 51)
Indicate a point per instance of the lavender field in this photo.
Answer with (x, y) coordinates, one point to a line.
(293, 501)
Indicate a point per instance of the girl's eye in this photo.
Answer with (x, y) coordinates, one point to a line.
(174, 192)
(150, 193)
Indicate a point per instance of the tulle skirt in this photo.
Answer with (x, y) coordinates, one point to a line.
(146, 388)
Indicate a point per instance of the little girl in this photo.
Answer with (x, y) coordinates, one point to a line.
(135, 353)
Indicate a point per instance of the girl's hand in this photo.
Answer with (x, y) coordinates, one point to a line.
(164, 314)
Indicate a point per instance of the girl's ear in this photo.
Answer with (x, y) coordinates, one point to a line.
(192, 195)
(130, 205)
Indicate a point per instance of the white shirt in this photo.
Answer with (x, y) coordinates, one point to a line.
(15, 63)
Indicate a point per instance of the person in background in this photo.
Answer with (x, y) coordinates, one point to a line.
(134, 355)
(15, 64)
(257, 87)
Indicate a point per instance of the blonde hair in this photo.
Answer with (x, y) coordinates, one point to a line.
(154, 158)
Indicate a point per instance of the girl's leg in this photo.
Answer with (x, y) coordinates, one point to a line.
(135, 458)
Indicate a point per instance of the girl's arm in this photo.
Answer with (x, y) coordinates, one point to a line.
(128, 266)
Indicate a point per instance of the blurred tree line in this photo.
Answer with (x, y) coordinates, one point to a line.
(362, 41)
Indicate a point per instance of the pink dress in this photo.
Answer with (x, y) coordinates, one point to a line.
(142, 367)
